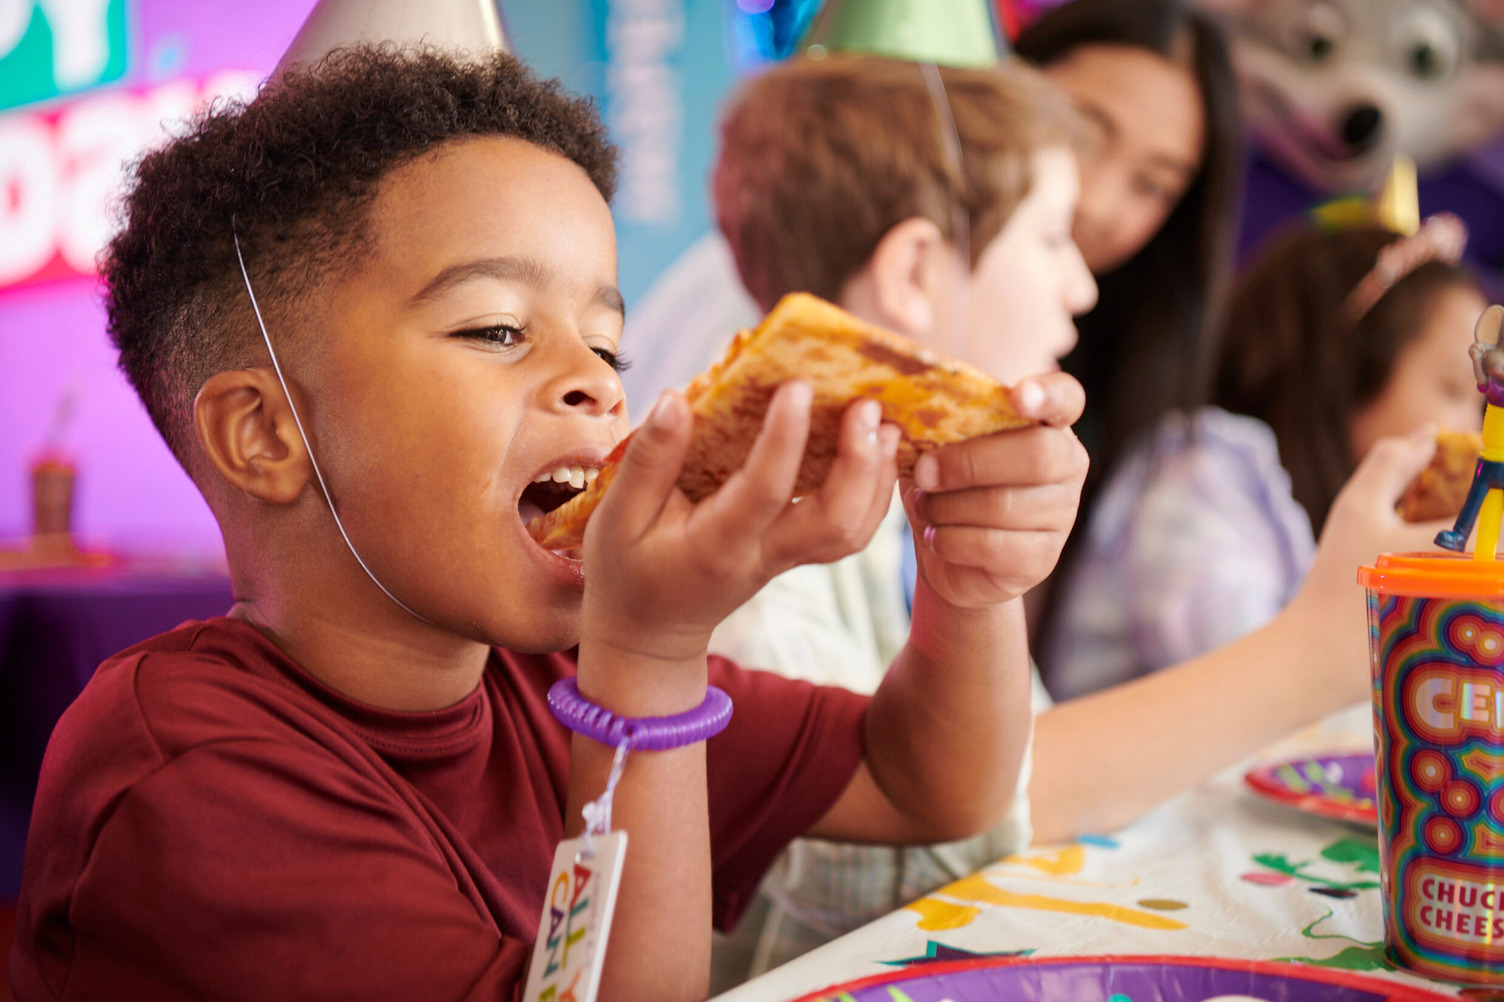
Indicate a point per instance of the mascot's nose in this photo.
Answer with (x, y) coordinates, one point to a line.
(1362, 126)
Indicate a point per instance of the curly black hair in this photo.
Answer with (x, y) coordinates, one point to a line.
(294, 172)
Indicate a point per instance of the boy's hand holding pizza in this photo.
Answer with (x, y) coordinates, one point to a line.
(991, 514)
(695, 516)
(999, 474)
(664, 571)
(948, 728)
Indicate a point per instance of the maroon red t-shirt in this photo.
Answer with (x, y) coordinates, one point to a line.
(214, 823)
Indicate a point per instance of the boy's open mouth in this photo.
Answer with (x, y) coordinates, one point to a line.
(552, 488)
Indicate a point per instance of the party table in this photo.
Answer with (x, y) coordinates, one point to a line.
(56, 626)
(1220, 872)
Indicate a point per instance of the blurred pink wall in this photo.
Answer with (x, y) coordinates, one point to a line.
(131, 494)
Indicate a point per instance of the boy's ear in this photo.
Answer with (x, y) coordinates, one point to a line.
(249, 436)
(907, 274)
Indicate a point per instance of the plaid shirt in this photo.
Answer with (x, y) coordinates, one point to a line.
(843, 624)
(1194, 541)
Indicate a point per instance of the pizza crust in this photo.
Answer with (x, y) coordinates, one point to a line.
(1439, 490)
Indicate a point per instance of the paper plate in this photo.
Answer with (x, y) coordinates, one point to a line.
(1120, 979)
(1333, 786)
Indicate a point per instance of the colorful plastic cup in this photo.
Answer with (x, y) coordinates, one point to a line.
(1436, 637)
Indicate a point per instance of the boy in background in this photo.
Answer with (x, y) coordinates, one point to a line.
(834, 178)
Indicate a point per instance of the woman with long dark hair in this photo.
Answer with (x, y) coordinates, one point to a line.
(1159, 194)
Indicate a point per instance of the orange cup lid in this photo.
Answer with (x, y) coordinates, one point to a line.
(1435, 574)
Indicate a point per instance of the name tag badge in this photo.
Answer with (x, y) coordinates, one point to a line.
(570, 950)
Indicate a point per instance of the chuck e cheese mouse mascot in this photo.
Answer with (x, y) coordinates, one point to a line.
(1333, 90)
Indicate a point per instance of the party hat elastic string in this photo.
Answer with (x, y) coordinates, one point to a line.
(950, 145)
(307, 445)
(930, 34)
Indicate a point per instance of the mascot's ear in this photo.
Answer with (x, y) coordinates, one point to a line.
(1478, 114)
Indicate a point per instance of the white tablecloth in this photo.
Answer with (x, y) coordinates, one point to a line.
(1218, 872)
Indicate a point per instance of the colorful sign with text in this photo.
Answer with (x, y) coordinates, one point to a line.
(68, 128)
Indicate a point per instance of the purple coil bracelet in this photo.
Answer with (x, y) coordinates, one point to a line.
(639, 733)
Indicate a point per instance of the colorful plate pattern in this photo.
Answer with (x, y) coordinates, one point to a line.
(1333, 786)
(1120, 979)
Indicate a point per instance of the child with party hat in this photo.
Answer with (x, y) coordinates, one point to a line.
(374, 314)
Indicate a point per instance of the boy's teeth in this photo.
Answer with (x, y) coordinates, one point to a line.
(575, 476)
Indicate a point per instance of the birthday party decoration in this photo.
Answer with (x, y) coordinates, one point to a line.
(1331, 786)
(471, 26)
(1120, 979)
(960, 902)
(941, 953)
(1358, 955)
(944, 32)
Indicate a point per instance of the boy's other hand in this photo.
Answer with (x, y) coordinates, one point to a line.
(990, 515)
(662, 572)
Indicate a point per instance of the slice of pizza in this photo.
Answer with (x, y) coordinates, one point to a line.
(933, 401)
(1439, 490)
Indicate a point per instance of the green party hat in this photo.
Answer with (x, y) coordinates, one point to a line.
(945, 32)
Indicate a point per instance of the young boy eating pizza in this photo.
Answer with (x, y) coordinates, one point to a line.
(351, 786)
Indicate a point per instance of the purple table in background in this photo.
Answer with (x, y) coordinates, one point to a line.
(56, 626)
